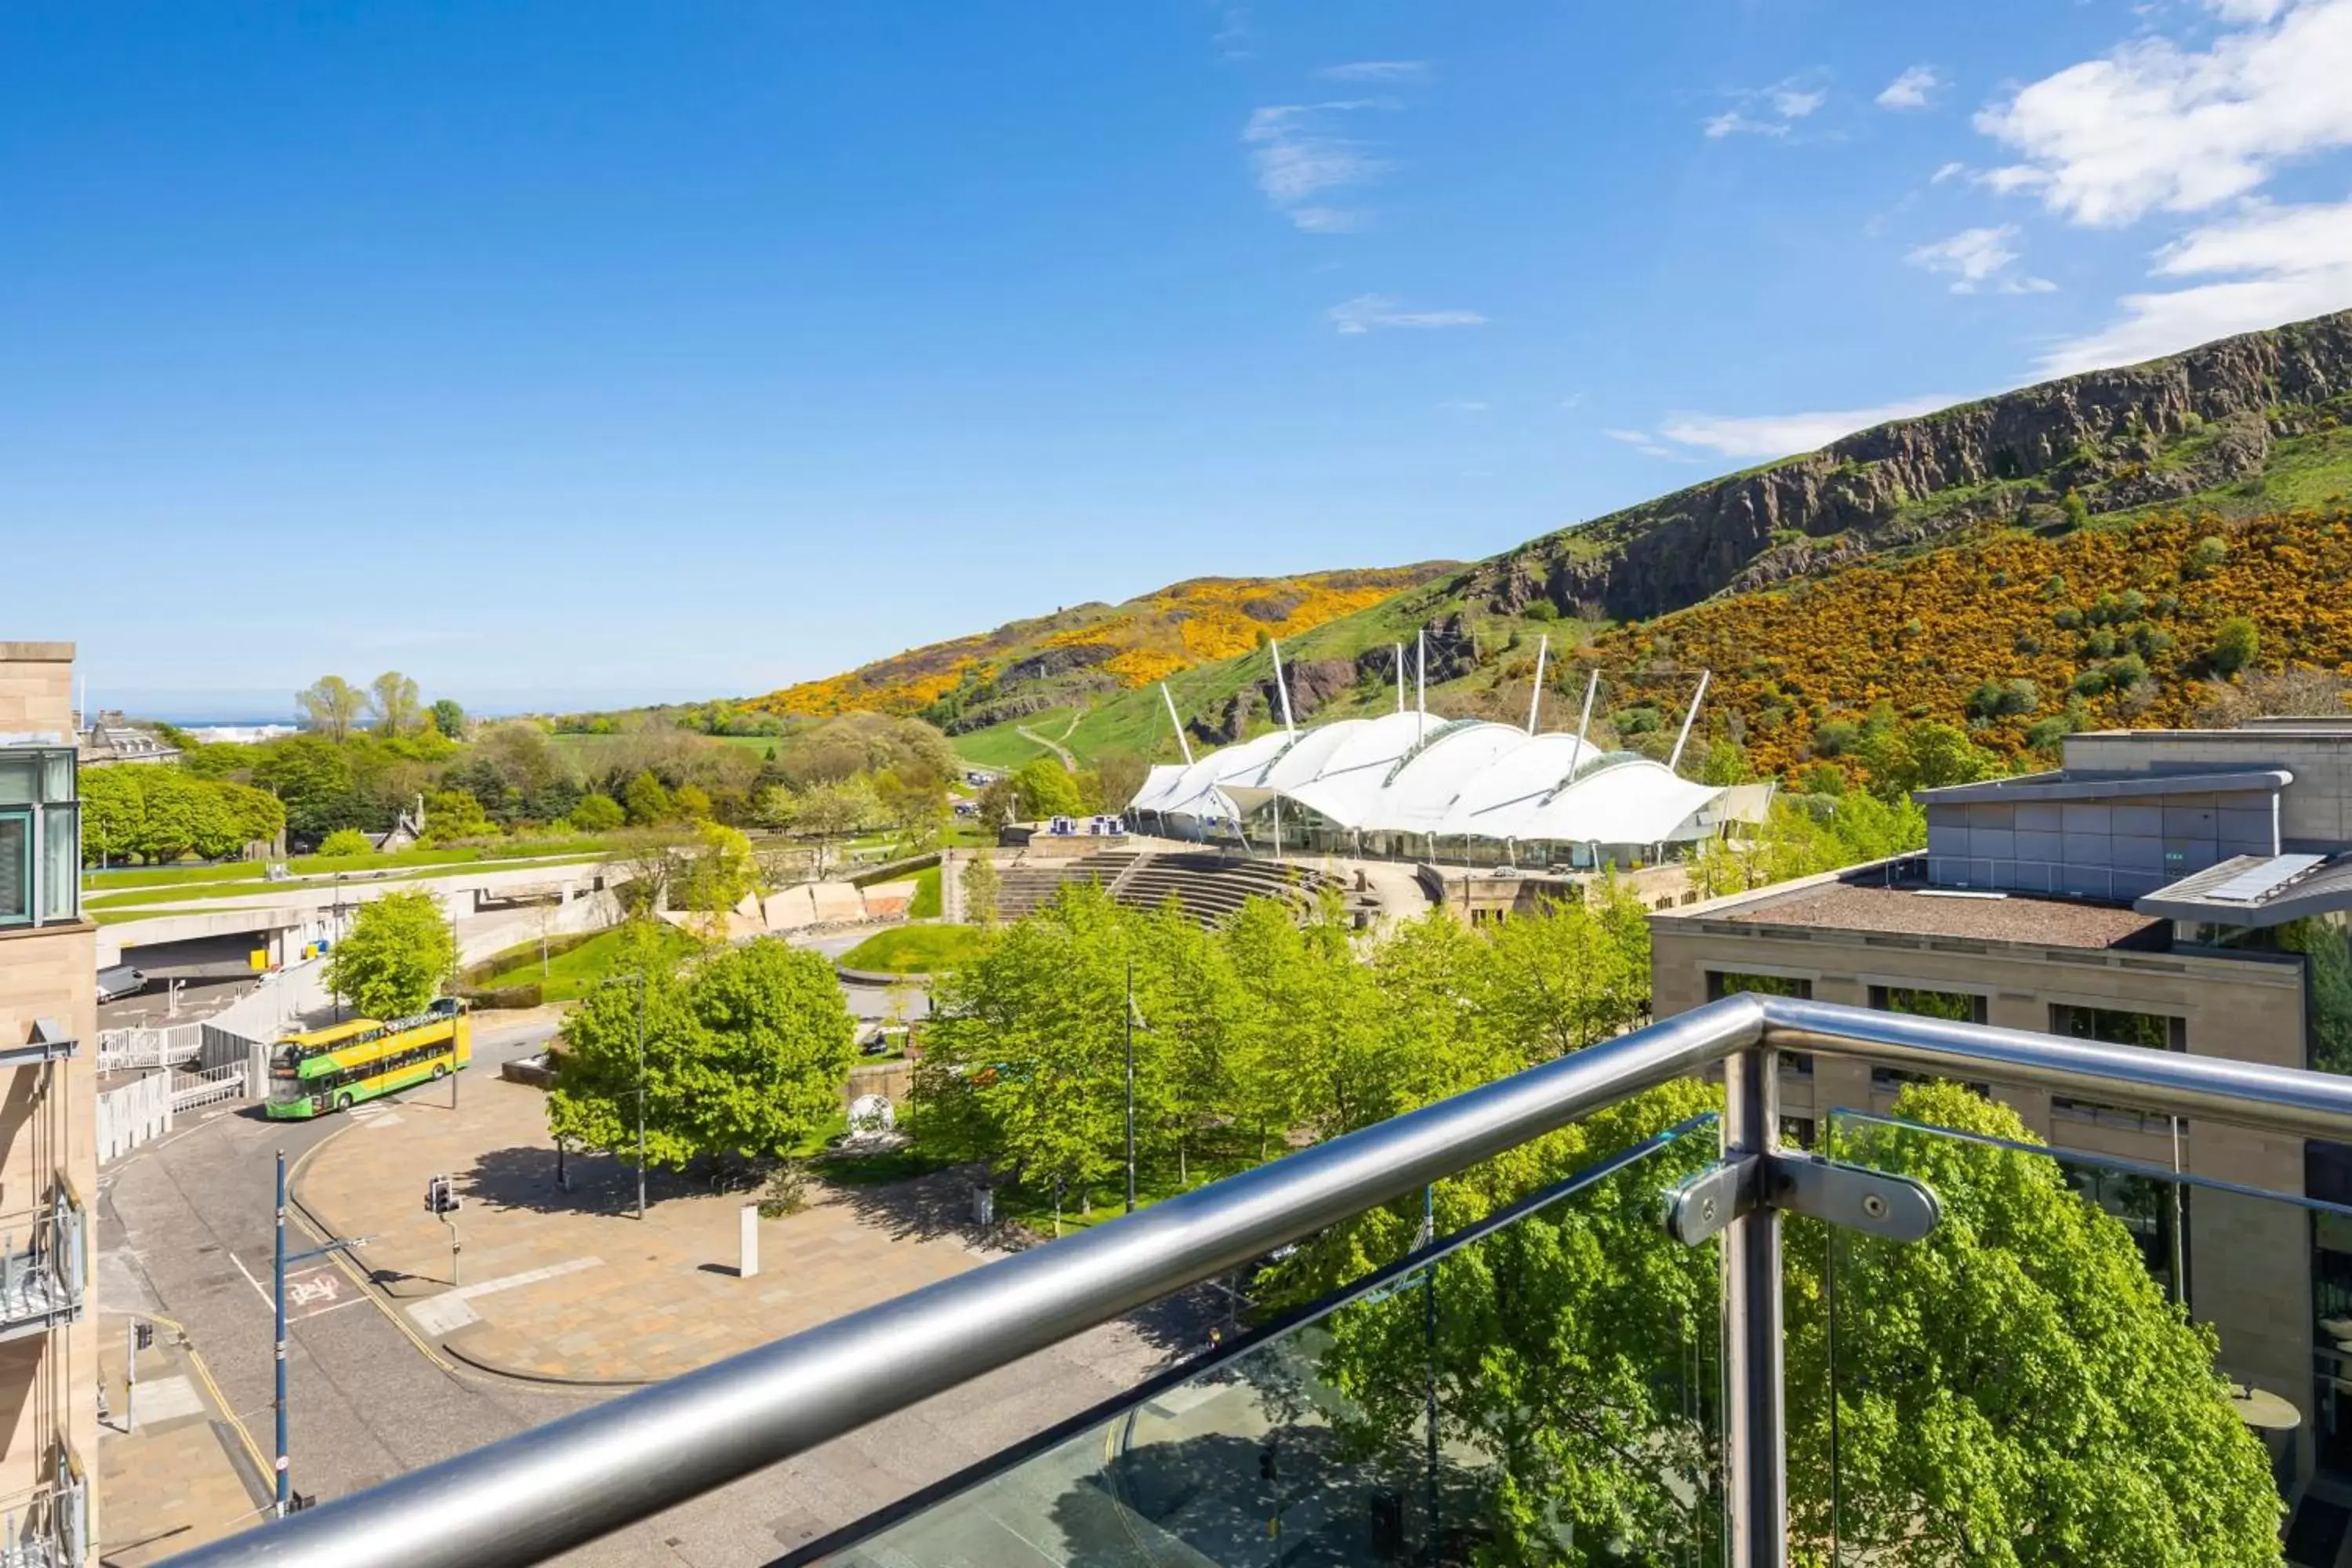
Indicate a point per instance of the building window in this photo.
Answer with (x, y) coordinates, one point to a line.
(1722, 983)
(1958, 1007)
(2116, 1026)
(40, 837)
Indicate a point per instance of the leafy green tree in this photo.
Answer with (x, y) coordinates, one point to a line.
(720, 875)
(313, 778)
(2015, 1389)
(346, 841)
(832, 811)
(999, 803)
(448, 717)
(597, 813)
(981, 885)
(647, 802)
(2237, 644)
(394, 957)
(454, 814)
(1571, 977)
(331, 706)
(1045, 789)
(775, 808)
(745, 1056)
(692, 802)
(393, 698)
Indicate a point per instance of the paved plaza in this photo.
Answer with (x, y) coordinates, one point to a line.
(570, 1285)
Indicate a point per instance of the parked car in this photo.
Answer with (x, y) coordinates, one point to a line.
(119, 979)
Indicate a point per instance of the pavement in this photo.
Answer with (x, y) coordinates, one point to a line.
(185, 1231)
(175, 1469)
(535, 1280)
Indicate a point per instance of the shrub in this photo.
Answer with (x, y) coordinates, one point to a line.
(2027, 644)
(2091, 682)
(2076, 510)
(346, 841)
(1542, 610)
(2236, 645)
(2205, 557)
(2126, 671)
(2100, 644)
(2045, 734)
(597, 813)
(1836, 738)
(2067, 619)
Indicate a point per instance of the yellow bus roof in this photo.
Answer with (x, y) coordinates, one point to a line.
(329, 1035)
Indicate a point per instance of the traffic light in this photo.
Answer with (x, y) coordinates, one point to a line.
(144, 1334)
(441, 1196)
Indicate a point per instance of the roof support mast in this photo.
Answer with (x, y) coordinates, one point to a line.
(1176, 724)
(1688, 719)
(1534, 697)
(1584, 720)
(1420, 683)
(1400, 662)
(1281, 688)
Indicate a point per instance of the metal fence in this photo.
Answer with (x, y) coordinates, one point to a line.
(126, 1050)
(207, 1087)
(534, 1496)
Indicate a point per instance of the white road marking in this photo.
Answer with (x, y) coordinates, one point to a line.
(450, 1310)
(267, 1299)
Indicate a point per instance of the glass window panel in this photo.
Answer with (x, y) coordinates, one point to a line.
(60, 863)
(19, 774)
(16, 867)
(57, 775)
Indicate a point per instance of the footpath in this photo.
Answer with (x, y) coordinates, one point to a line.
(181, 1474)
(565, 1283)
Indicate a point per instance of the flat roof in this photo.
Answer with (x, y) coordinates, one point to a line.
(2088, 784)
(1914, 912)
(2280, 887)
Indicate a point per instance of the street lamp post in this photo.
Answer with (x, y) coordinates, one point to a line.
(283, 1500)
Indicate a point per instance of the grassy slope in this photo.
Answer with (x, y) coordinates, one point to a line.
(914, 949)
(209, 890)
(569, 975)
(2313, 469)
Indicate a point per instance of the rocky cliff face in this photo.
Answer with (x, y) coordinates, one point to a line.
(2118, 439)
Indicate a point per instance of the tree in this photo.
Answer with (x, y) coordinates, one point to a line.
(981, 885)
(597, 813)
(393, 698)
(720, 875)
(649, 858)
(647, 802)
(831, 811)
(346, 841)
(1044, 788)
(775, 808)
(2237, 643)
(692, 802)
(1117, 776)
(448, 719)
(745, 1056)
(999, 803)
(454, 814)
(313, 777)
(332, 705)
(394, 957)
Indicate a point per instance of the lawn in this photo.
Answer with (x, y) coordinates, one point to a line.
(252, 887)
(327, 865)
(1002, 748)
(925, 904)
(914, 950)
(572, 974)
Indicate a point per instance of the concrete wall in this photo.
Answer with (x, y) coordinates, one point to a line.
(2096, 850)
(2249, 1259)
(2315, 810)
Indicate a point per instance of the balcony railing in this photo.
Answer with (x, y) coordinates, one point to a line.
(1714, 1461)
(41, 1268)
(47, 1527)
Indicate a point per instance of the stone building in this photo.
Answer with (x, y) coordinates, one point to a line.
(48, 1168)
(2177, 890)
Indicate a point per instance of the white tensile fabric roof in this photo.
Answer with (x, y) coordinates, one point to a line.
(1411, 773)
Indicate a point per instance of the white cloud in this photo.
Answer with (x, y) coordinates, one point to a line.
(1370, 312)
(1765, 111)
(1976, 258)
(1467, 408)
(2153, 127)
(1792, 104)
(1912, 90)
(1951, 171)
(1376, 70)
(2267, 265)
(1297, 154)
(1778, 435)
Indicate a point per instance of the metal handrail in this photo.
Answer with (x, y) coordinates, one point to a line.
(555, 1486)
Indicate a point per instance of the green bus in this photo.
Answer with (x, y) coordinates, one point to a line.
(334, 1069)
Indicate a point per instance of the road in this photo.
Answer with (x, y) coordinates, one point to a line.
(185, 1231)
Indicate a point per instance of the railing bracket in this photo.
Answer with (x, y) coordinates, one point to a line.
(1852, 1198)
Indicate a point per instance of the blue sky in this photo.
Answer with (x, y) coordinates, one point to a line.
(570, 353)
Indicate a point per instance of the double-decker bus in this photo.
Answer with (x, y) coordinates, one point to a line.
(334, 1069)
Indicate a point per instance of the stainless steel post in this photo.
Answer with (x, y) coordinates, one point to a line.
(1756, 1480)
